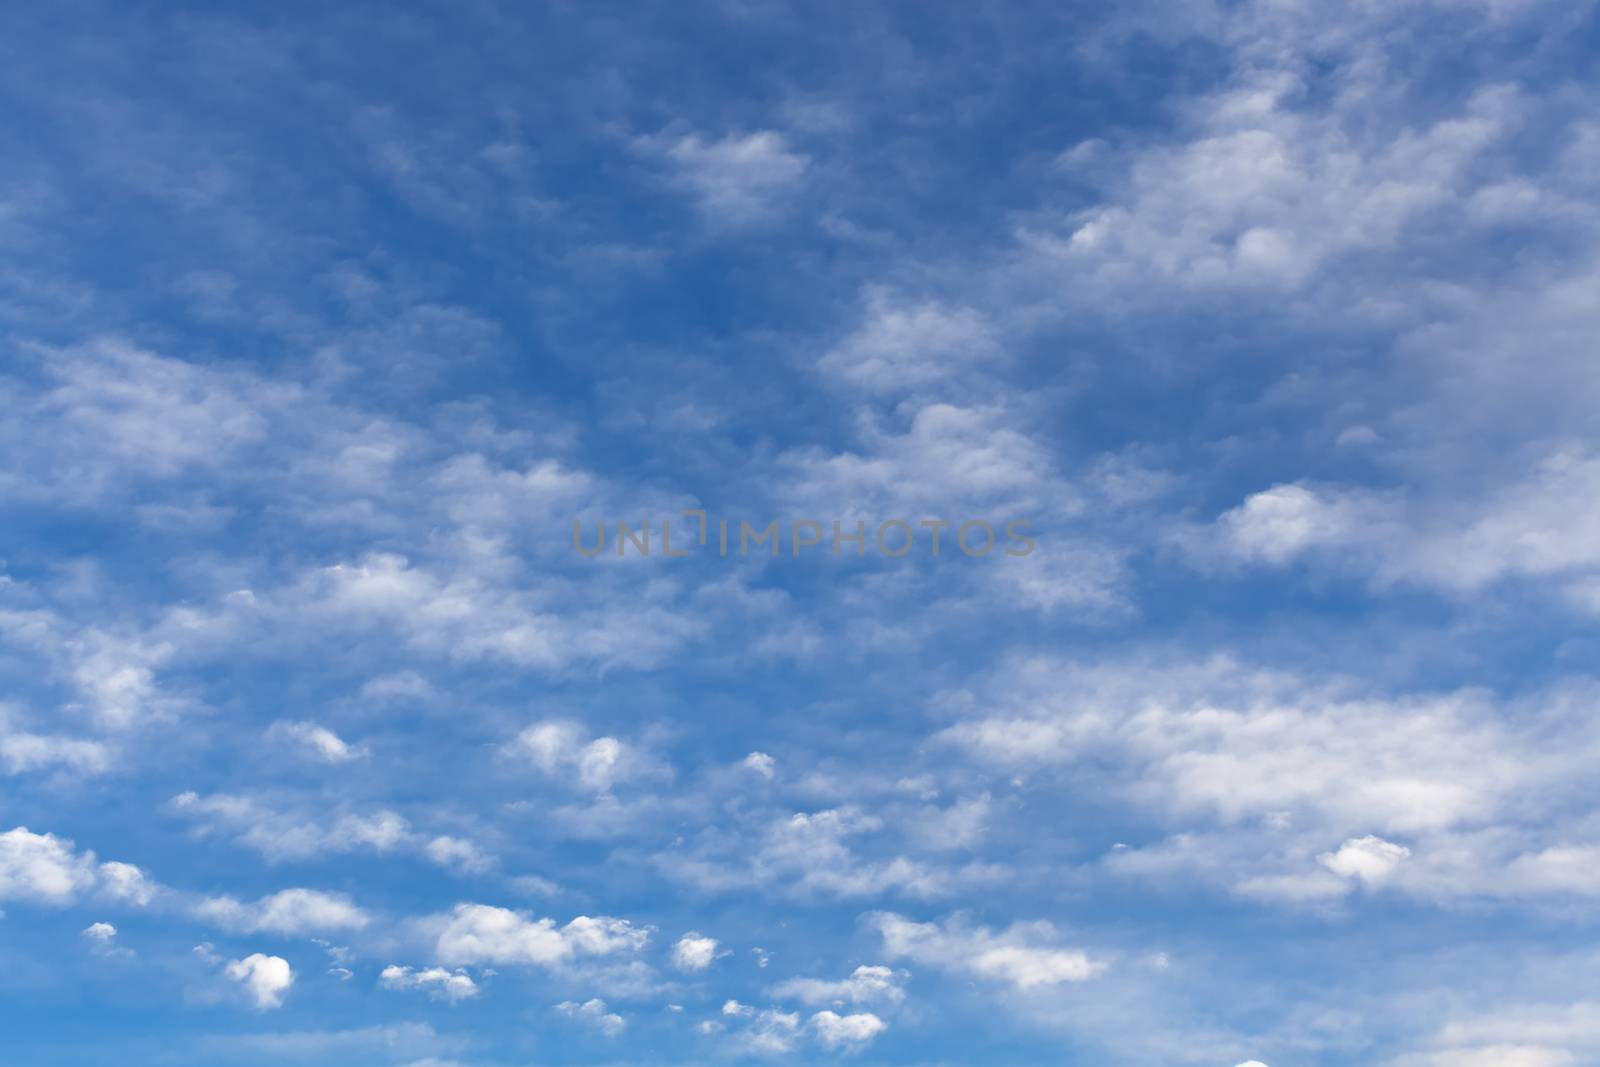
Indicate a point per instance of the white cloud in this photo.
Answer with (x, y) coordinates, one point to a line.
(1277, 524)
(42, 867)
(265, 978)
(866, 985)
(1021, 955)
(463, 610)
(1369, 859)
(457, 854)
(400, 685)
(22, 752)
(1255, 772)
(693, 952)
(604, 936)
(1266, 194)
(958, 826)
(291, 911)
(809, 853)
(319, 741)
(118, 416)
(853, 1031)
(1543, 525)
(283, 835)
(564, 748)
(127, 883)
(1221, 738)
(761, 764)
(1512, 1034)
(947, 452)
(901, 345)
(594, 1013)
(451, 986)
(102, 932)
(112, 676)
(738, 179)
(47, 869)
(765, 1032)
(480, 933)
(1491, 1056)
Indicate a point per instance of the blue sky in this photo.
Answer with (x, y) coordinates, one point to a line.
(319, 743)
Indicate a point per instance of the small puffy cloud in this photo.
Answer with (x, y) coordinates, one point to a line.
(901, 345)
(562, 748)
(958, 826)
(1020, 955)
(604, 936)
(1367, 859)
(760, 763)
(866, 984)
(304, 832)
(765, 1032)
(127, 883)
(810, 852)
(102, 937)
(693, 952)
(438, 983)
(594, 1013)
(480, 933)
(42, 868)
(1278, 524)
(22, 752)
(318, 741)
(457, 854)
(291, 911)
(265, 978)
(483, 934)
(534, 885)
(282, 835)
(47, 869)
(738, 179)
(853, 1031)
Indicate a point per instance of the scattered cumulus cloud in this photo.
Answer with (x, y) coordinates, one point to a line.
(847, 1031)
(692, 952)
(289, 911)
(318, 741)
(738, 178)
(1024, 955)
(594, 1013)
(867, 984)
(484, 934)
(47, 869)
(438, 983)
(265, 979)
